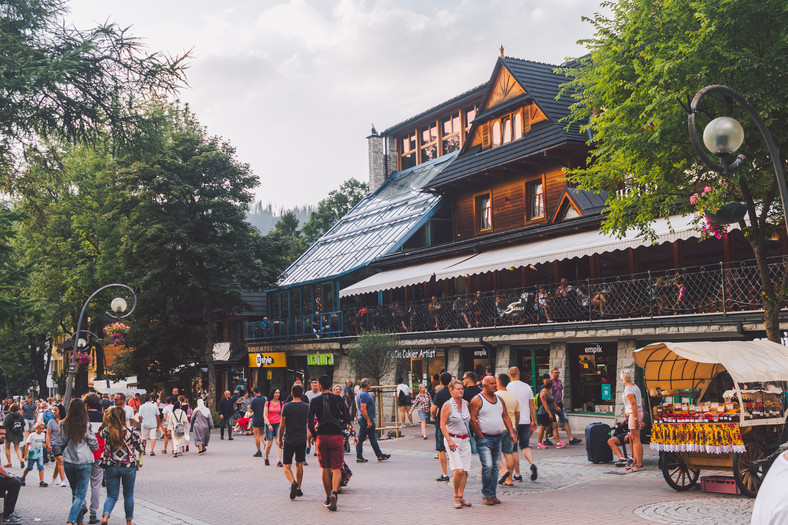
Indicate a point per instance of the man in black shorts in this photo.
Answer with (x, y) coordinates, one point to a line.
(292, 438)
(330, 413)
(258, 423)
(441, 396)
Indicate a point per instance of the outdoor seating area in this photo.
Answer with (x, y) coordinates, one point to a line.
(720, 288)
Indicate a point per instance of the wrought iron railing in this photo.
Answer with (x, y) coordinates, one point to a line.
(718, 288)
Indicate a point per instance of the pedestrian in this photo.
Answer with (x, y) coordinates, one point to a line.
(34, 452)
(421, 404)
(527, 423)
(633, 407)
(454, 418)
(620, 437)
(258, 418)
(272, 416)
(105, 402)
(79, 441)
(178, 422)
(330, 413)
(14, 423)
(55, 446)
(166, 413)
(403, 394)
(201, 426)
(350, 395)
(120, 401)
(96, 419)
(441, 396)
(489, 420)
(469, 386)
(10, 486)
(135, 403)
(292, 438)
(562, 419)
(30, 413)
(120, 461)
(508, 446)
(366, 423)
(771, 505)
(314, 392)
(188, 411)
(546, 415)
(149, 424)
(226, 409)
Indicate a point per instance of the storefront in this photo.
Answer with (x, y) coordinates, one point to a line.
(318, 364)
(267, 369)
(533, 362)
(477, 359)
(421, 364)
(593, 372)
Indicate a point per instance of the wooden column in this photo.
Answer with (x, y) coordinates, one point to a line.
(523, 276)
(496, 281)
(594, 263)
(678, 254)
(633, 261)
(556, 271)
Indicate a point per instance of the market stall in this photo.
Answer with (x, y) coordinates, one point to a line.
(715, 405)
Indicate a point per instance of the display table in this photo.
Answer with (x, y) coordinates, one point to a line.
(712, 438)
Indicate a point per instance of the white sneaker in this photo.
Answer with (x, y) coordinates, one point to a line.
(63, 484)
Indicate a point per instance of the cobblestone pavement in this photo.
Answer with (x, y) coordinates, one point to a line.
(228, 485)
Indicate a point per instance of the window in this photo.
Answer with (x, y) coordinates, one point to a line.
(496, 133)
(483, 212)
(534, 191)
(429, 142)
(408, 151)
(506, 122)
(506, 128)
(518, 125)
(450, 133)
(470, 114)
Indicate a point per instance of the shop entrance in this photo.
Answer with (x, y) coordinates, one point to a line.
(424, 364)
(533, 362)
(593, 372)
(476, 360)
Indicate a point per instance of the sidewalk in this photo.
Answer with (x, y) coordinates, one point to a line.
(228, 485)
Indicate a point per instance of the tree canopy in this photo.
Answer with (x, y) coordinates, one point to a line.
(60, 81)
(647, 60)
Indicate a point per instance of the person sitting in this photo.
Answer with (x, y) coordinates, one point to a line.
(460, 309)
(434, 308)
(620, 436)
(398, 316)
(244, 423)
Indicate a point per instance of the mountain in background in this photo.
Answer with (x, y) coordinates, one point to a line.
(265, 217)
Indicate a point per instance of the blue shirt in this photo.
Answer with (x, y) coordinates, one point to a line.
(258, 407)
(364, 397)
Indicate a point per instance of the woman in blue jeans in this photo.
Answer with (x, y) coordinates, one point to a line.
(120, 461)
(78, 443)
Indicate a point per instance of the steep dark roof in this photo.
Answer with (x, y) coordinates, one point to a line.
(542, 84)
(478, 90)
(589, 202)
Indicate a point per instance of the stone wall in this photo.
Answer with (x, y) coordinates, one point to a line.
(559, 359)
(502, 359)
(624, 360)
(377, 162)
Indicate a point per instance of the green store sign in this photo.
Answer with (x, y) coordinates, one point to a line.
(320, 359)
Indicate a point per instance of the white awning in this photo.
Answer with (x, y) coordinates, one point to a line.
(568, 247)
(401, 276)
(559, 248)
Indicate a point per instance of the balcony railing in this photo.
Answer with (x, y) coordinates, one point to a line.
(719, 288)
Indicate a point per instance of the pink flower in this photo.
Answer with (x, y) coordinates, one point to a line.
(693, 198)
(706, 190)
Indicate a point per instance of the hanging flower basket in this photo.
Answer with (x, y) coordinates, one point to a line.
(83, 359)
(115, 333)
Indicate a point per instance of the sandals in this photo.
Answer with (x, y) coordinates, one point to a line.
(457, 503)
(635, 468)
(466, 504)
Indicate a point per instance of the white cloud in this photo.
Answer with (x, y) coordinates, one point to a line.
(294, 84)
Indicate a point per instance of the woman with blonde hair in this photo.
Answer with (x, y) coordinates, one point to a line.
(633, 406)
(120, 461)
(454, 418)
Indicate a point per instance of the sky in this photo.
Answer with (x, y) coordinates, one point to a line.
(295, 85)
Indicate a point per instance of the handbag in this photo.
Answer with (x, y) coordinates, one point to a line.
(474, 449)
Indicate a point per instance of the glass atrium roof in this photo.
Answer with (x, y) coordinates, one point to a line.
(376, 226)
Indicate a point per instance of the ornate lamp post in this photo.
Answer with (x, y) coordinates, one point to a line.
(724, 135)
(118, 306)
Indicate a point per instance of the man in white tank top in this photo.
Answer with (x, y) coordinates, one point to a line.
(489, 421)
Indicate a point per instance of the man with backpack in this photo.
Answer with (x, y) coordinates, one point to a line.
(330, 413)
(292, 437)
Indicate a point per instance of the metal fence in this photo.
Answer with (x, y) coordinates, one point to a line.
(719, 288)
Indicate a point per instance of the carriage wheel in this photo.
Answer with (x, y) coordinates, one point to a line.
(676, 472)
(749, 477)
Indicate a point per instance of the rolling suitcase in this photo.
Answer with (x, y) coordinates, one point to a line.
(597, 449)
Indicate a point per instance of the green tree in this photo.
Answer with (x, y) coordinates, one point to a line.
(187, 246)
(373, 355)
(647, 60)
(286, 233)
(58, 81)
(333, 208)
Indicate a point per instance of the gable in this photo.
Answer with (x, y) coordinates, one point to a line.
(504, 88)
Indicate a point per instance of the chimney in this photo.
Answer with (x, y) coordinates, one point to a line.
(377, 160)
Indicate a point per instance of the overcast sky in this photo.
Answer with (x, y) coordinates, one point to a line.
(294, 85)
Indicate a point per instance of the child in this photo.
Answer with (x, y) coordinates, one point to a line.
(35, 453)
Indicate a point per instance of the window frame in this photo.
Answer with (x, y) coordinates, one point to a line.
(477, 212)
(529, 218)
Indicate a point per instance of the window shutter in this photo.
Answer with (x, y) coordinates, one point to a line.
(527, 120)
(485, 136)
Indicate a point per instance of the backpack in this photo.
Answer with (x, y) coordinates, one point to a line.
(17, 426)
(401, 397)
(180, 430)
(48, 415)
(327, 417)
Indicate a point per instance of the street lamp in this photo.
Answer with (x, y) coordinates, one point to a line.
(118, 305)
(7, 394)
(724, 135)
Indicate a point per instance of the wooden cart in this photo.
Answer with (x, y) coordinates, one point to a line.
(719, 433)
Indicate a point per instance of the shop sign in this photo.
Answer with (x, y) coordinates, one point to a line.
(413, 354)
(267, 360)
(480, 353)
(593, 349)
(319, 359)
